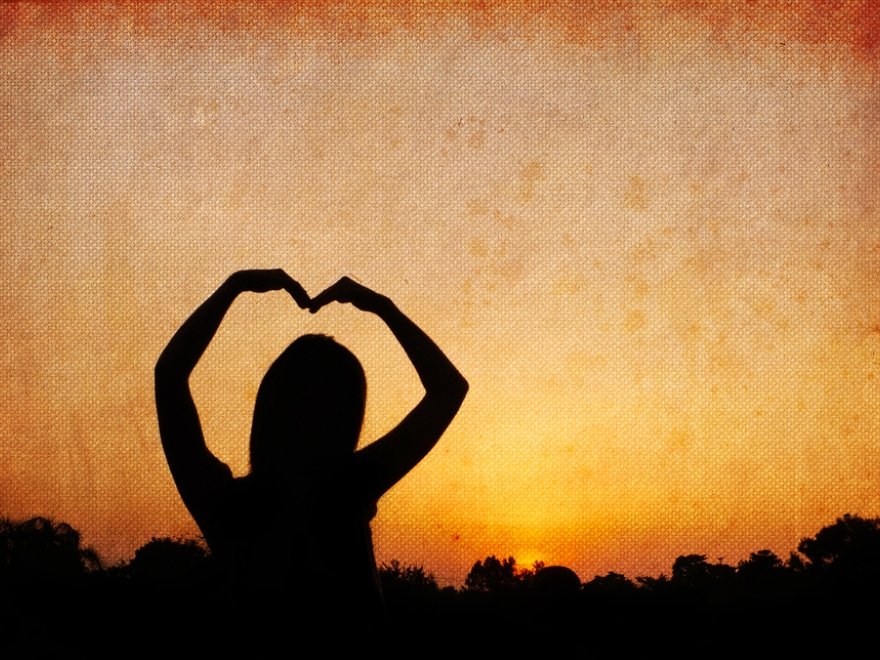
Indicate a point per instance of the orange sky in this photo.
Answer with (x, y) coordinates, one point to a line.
(648, 236)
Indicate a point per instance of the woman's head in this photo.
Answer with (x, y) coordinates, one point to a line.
(309, 408)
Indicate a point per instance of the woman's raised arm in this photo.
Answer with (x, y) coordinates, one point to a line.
(196, 471)
(385, 461)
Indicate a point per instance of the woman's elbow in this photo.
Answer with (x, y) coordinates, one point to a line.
(167, 371)
(457, 388)
(462, 386)
(449, 393)
(162, 369)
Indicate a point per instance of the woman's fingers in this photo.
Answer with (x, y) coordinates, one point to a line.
(298, 293)
(334, 292)
(347, 290)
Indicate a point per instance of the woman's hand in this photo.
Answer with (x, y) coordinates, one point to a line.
(346, 290)
(261, 281)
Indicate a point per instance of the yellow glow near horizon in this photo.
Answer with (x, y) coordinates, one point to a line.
(648, 236)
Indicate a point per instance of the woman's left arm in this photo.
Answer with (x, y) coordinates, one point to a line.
(385, 461)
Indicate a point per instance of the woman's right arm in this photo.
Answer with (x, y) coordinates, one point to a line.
(197, 473)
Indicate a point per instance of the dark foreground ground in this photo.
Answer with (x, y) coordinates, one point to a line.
(58, 601)
(120, 620)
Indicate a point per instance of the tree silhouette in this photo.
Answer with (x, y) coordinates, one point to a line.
(762, 562)
(846, 553)
(494, 576)
(398, 577)
(850, 541)
(43, 575)
(412, 597)
(694, 572)
(765, 581)
(762, 566)
(611, 585)
(40, 549)
(653, 584)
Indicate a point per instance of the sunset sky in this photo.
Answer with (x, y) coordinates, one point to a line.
(647, 233)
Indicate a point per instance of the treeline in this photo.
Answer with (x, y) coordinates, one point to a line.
(55, 594)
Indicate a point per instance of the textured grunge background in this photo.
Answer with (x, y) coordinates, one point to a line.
(647, 233)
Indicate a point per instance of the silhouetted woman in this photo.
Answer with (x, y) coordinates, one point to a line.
(300, 521)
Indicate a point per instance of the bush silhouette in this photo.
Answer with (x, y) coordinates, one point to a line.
(167, 561)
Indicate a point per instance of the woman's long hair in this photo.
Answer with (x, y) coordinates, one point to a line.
(309, 409)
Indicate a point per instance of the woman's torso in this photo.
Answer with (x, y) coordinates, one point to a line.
(312, 540)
